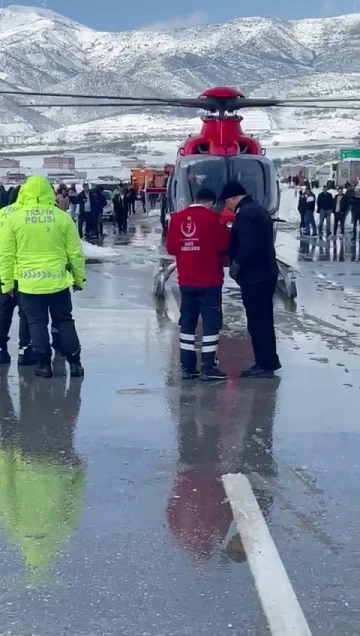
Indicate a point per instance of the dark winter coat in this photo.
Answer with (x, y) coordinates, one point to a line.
(252, 252)
(355, 206)
(302, 205)
(344, 204)
(3, 197)
(325, 201)
(121, 203)
(82, 200)
(310, 202)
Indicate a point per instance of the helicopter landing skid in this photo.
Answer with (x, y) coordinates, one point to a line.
(287, 281)
(166, 267)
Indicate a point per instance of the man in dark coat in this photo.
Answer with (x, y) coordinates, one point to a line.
(355, 209)
(98, 200)
(325, 203)
(341, 208)
(86, 212)
(4, 198)
(254, 268)
(121, 209)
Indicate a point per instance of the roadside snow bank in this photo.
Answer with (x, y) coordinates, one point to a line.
(97, 252)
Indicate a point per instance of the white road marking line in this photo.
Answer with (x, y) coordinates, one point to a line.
(278, 599)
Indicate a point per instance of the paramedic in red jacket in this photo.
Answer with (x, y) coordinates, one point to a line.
(198, 240)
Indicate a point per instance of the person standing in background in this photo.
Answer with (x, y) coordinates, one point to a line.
(340, 207)
(121, 210)
(99, 203)
(355, 210)
(86, 212)
(62, 199)
(4, 197)
(132, 199)
(309, 214)
(73, 201)
(325, 203)
(302, 211)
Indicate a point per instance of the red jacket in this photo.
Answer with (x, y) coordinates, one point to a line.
(198, 239)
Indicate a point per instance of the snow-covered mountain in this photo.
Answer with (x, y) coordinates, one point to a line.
(41, 50)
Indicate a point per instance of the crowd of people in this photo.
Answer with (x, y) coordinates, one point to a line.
(332, 211)
(86, 207)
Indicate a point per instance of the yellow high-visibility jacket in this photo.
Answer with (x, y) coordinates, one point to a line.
(40, 242)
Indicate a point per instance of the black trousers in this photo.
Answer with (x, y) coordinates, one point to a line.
(98, 224)
(87, 219)
(258, 303)
(339, 218)
(302, 220)
(7, 307)
(37, 308)
(355, 221)
(121, 220)
(207, 303)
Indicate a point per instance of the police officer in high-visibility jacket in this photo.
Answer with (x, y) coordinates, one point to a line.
(43, 242)
(198, 240)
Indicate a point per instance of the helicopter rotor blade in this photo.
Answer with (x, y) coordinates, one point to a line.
(190, 102)
(154, 104)
(87, 105)
(249, 102)
(210, 104)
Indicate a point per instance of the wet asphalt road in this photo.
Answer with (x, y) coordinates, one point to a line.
(114, 519)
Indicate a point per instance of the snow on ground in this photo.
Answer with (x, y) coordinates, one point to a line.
(139, 128)
(97, 252)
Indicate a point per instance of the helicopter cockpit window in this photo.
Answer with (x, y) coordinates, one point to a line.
(251, 175)
(206, 174)
(258, 178)
(257, 175)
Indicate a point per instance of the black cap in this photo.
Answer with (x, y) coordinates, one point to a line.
(232, 189)
(205, 194)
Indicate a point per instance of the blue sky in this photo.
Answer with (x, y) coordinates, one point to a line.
(117, 15)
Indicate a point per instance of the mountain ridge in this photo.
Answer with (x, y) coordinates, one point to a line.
(42, 50)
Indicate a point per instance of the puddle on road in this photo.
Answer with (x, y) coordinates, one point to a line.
(138, 391)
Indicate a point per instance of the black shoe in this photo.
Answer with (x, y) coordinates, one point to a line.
(43, 371)
(26, 357)
(76, 370)
(213, 374)
(190, 375)
(4, 356)
(257, 372)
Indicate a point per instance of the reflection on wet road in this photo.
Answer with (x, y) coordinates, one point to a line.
(114, 518)
(42, 477)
